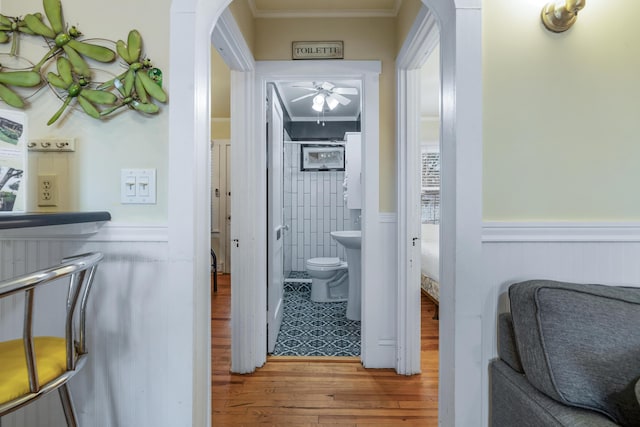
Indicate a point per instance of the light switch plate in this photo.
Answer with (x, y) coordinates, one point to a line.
(138, 186)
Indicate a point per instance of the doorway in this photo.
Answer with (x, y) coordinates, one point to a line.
(319, 122)
(365, 74)
(191, 26)
(463, 331)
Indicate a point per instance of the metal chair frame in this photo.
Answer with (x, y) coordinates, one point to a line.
(80, 272)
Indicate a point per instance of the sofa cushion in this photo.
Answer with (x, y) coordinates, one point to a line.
(578, 343)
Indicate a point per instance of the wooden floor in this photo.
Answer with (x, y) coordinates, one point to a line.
(323, 392)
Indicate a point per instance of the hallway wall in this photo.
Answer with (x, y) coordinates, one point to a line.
(560, 126)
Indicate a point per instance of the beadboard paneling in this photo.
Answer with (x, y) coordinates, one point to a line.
(127, 380)
(575, 252)
(579, 252)
(379, 333)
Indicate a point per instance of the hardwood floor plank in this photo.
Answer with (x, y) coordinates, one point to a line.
(422, 420)
(317, 392)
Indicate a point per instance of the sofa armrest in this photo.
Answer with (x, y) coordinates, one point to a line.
(628, 403)
(507, 347)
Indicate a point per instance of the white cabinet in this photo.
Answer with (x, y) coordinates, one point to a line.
(353, 152)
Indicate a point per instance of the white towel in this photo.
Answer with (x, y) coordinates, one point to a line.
(344, 186)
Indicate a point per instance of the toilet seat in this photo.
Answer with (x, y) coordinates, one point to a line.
(324, 262)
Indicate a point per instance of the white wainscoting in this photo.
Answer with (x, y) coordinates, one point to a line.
(127, 380)
(379, 333)
(606, 253)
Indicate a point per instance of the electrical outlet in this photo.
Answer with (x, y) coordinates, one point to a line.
(47, 190)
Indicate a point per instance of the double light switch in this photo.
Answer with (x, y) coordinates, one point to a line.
(138, 186)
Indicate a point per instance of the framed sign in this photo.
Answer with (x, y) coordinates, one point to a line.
(13, 161)
(322, 158)
(317, 50)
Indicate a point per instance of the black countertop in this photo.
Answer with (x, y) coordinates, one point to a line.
(40, 219)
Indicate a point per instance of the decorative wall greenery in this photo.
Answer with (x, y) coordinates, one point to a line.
(136, 88)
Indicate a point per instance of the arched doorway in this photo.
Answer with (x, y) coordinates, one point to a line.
(191, 25)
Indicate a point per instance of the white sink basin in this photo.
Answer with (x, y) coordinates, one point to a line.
(350, 239)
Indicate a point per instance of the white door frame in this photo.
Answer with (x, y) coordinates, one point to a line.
(423, 38)
(191, 26)
(367, 72)
(462, 373)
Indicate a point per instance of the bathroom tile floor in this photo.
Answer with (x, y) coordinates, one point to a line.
(299, 275)
(314, 328)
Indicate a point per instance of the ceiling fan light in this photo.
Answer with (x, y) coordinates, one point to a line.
(332, 102)
(318, 102)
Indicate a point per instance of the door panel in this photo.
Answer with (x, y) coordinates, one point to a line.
(275, 228)
(221, 203)
(227, 215)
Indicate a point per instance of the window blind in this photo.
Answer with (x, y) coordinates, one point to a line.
(430, 191)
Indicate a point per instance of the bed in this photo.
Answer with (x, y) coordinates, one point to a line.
(430, 264)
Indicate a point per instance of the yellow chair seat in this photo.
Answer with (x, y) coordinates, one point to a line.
(51, 362)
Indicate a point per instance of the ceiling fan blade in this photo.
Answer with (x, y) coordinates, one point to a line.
(346, 90)
(303, 84)
(341, 99)
(303, 97)
(305, 88)
(327, 86)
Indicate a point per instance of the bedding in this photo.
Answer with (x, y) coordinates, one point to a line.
(430, 260)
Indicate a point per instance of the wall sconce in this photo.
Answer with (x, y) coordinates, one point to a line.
(559, 16)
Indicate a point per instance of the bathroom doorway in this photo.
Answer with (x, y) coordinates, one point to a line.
(318, 122)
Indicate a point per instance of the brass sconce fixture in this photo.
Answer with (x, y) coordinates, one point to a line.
(559, 16)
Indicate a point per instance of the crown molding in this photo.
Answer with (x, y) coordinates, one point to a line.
(324, 13)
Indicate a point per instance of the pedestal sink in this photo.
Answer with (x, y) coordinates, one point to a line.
(351, 240)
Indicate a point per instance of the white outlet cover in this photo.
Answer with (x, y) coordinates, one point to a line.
(137, 176)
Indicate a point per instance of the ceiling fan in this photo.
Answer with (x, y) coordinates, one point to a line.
(325, 93)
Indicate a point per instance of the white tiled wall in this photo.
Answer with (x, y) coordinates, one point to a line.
(313, 207)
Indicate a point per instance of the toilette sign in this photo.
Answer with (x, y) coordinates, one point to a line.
(317, 50)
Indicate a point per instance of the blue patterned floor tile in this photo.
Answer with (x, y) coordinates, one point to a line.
(315, 328)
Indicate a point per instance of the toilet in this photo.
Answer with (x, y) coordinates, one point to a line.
(329, 279)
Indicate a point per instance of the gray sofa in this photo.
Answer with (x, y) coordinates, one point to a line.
(569, 355)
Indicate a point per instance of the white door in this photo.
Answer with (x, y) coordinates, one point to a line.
(220, 203)
(275, 228)
(227, 211)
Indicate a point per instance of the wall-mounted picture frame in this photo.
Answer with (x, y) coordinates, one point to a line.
(13, 161)
(318, 157)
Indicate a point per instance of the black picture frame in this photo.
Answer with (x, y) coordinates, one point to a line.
(322, 157)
